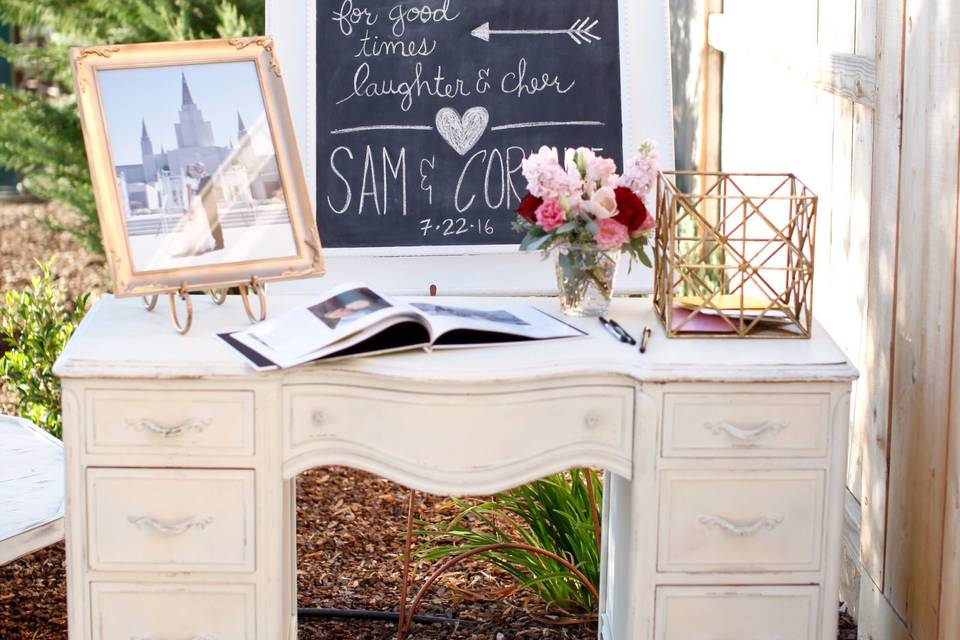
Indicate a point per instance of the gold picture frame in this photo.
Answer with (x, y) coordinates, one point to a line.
(145, 209)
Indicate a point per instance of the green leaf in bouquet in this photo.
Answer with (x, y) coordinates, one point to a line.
(534, 243)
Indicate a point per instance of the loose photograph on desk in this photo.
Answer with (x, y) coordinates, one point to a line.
(354, 320)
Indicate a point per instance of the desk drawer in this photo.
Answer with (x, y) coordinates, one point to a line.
(721, 613)
(741, 521)
(436, 432)
(170, 520)
(173, 422)
(742, 425)
(168, 611)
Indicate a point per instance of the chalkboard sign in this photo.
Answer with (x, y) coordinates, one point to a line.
(426, 111)
(413, 116)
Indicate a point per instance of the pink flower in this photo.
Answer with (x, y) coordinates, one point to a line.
(550, 215)
(611, 234)
(640, 172)
(596, 172)
(597, 169)
(547, 179)
(648, 225)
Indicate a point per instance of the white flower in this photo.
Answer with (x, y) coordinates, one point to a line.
(602, 204)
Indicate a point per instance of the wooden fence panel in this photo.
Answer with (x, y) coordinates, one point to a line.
(872, 409)
(924, 314)
(950, 598)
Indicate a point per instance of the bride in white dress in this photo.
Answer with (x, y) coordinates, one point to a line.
(195, 236)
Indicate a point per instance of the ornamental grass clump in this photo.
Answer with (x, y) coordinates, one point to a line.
(35, 324)
(558, 514)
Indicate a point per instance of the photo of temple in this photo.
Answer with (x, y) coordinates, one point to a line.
(159, 183)
(196, 166)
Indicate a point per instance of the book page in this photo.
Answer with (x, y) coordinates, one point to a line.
(352, 312)
(522, 321)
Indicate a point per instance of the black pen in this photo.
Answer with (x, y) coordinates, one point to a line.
(612, 330)
(647, 334)
(629, 338)
(616, 331)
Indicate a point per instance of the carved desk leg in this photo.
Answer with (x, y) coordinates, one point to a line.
(629, 547)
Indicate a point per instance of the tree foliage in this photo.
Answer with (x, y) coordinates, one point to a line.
(40, 134)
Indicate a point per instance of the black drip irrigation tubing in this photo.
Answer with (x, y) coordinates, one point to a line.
(363, 614)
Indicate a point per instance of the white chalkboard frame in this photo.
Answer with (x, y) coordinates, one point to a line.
(647, 99)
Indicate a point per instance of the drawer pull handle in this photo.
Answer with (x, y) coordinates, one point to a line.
(176, 529)
(319, 418)
(767, 522)
(171, 431)
(738, 433)
(593, 421)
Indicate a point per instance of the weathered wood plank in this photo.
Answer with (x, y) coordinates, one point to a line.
(950, 597)
(877, 618)
(712, 102)
(31, 488)
(925, 303)
(872, 409)
(851, 569)
(857, 236)
(850, 76)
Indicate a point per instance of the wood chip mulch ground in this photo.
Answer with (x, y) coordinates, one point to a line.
(349, 537)
(350, 524)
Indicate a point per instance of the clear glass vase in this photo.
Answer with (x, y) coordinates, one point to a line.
(585, 279)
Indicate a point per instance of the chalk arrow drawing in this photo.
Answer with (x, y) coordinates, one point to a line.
(462, 133)
(581, 32)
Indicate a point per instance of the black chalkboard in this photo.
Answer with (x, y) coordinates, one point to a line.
(425, 110)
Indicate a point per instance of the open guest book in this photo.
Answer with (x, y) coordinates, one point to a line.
(354, 320)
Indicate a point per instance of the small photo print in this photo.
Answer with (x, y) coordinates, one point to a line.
(348, 306)
(497, 316)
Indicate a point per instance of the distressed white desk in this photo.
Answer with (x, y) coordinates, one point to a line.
(722, 516)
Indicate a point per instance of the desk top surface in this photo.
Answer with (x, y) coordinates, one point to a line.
(119, 339)
(31, 478)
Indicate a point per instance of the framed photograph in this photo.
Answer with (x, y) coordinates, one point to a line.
(195, 165)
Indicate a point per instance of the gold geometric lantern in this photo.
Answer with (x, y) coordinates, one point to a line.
(734, 255)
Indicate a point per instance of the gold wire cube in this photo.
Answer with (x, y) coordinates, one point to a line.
(731, 263)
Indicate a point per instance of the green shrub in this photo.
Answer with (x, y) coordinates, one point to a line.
(554, 514)
(35, 324)
(40, 134)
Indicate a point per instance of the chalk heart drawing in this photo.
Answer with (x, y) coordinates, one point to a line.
(462, 133)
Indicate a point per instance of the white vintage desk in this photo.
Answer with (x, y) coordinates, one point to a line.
(722, 516)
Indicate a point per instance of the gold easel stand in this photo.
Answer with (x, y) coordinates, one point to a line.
(219, 297)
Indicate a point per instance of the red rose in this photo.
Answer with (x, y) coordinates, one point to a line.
(632, 213)
(528, 207)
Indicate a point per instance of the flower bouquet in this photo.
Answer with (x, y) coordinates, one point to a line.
(587, 215)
